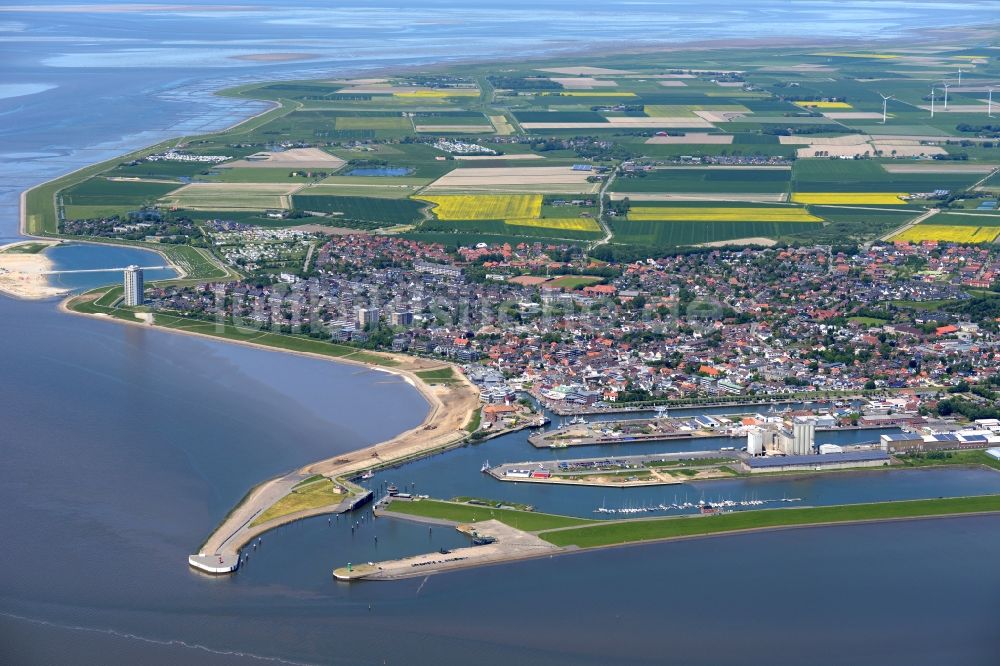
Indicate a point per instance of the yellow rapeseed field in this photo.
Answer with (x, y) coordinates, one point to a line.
(721, 214)
(588, 93)
(485, 206)
(882, 198)
(454, 92)
(948, 233)
(824, 105)
(564, 223)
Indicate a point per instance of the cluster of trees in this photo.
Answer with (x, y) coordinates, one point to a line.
(177, 231)
(979, 130)
(966, 408)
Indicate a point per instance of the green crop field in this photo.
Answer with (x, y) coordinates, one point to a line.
(823, 175)
(370, 209)
(102, 192)
(559, 117)
(707, 181)
(968, 219)
(661, 233)
(373, 123)
(493, 230)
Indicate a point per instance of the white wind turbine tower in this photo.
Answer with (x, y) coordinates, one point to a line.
(946, 86)
(989, 103)
(932, 101)
(885, 105)
(959, 76)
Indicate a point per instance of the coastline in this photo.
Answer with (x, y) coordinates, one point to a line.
(571, 550)
(22, 273)
(450, 406)
(437, 431)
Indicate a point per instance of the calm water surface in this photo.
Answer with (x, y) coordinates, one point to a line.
(123, 447)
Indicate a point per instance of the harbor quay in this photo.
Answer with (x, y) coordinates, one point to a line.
(492, 542)
(580, 432)
(622, 471)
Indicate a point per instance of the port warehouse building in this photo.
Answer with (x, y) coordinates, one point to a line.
(951, 441)
(816, 462)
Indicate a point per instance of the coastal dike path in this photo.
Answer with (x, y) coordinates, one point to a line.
(451, 405)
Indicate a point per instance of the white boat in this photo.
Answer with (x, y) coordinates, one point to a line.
(368, 475)
(485, 468)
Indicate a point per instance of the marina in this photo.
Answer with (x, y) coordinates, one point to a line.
(579, 431)
(621, 471)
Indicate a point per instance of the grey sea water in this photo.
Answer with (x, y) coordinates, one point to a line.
(122, 447)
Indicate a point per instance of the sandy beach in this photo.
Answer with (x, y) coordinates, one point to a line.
(21, 274)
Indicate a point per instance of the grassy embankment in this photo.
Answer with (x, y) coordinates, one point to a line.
(444, 375)
(26, 248)
(569, 531)
(936, 459)
(104, 304)
(631, 531)
(315, 492)
(475, 421)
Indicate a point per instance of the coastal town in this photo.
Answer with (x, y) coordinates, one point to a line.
(695, 277)
(582, 335)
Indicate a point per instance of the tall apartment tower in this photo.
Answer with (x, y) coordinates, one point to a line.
(367, 316)
(133, 285)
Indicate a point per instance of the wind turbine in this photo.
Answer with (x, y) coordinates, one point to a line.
(946, 86)
(989, 103)
(959, 76)
(885, 105)
(932, 101)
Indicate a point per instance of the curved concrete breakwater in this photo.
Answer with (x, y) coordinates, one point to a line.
(452, 404)
(451, 407)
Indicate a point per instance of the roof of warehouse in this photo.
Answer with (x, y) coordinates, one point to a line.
(900, 437)
(849, 456)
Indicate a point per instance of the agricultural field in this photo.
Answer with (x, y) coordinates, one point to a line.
(383, 212)
(103, 192)
(721, 214)
(559, 223)
(486, 152)
(857, 176)
(707, 180)
(948, 232)
(485, 206)
(851, 198)
(505, 214)
(517, 179)
(231, 196)
(680, 233)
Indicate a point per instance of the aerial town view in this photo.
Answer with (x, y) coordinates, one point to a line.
(321, 348)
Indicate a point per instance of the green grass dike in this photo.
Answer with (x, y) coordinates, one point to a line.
(106, 301)
(528, 521)
(313, 493)
(633, 531)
